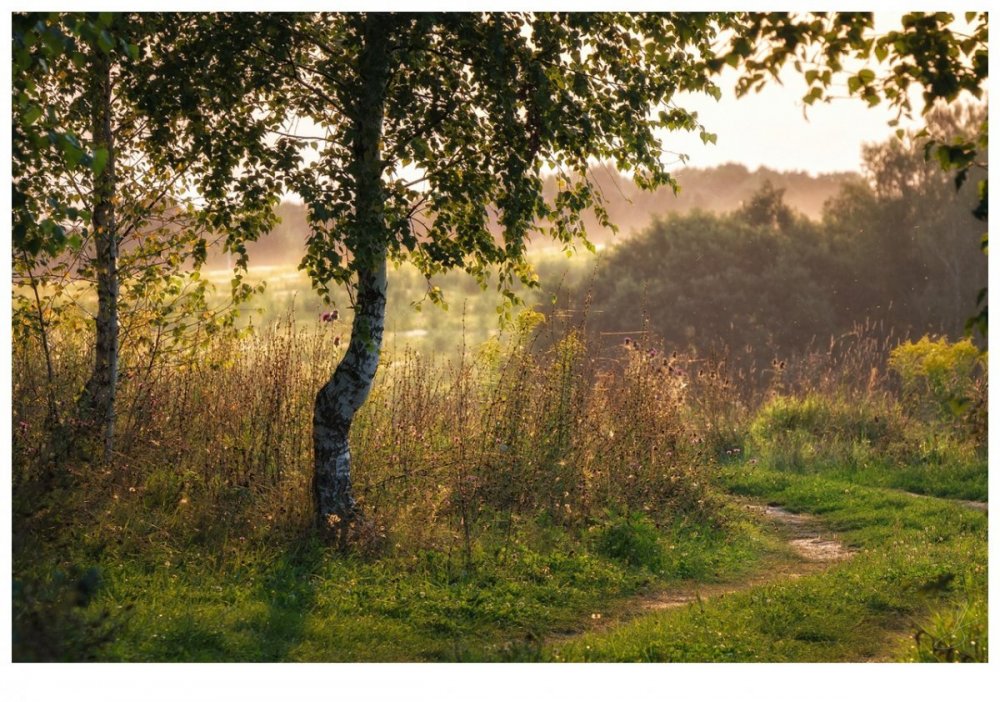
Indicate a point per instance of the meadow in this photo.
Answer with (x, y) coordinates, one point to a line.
(530, 493)
(755, 430)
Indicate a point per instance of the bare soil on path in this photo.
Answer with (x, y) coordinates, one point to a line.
(811, 548)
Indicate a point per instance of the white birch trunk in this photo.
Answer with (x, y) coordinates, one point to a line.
(337, 403)
(341, 397)
(97, 403)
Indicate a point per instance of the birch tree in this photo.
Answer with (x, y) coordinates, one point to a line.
(431, 126)
(100, 205)
(434, 125)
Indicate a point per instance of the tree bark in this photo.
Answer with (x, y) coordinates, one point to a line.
(348, 388)
(337, 403)
(97, 404)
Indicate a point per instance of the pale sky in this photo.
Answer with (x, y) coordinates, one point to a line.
(769, 129)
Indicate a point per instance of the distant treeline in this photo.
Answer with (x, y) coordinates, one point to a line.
(772, 261)
(719, 189)
(899, 248)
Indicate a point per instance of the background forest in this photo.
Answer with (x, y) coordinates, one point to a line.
(750, 265)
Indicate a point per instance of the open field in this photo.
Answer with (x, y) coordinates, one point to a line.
(492, 531)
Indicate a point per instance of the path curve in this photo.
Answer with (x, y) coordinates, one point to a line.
(814, 547)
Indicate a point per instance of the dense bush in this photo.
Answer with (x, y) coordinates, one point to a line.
(943, 380)
(633, 539)
(899, 247)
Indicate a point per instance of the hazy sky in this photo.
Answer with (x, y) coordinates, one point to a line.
(769, 129)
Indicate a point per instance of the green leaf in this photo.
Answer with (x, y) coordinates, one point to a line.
(72, 152)
(100, 161)
(32, 115)
(105, 41)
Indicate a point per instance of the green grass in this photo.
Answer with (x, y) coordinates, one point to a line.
(964, 480)
(303, 602)
(914, 556)
(509, 499)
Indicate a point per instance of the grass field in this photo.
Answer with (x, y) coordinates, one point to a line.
(525, 499)
(469, 317)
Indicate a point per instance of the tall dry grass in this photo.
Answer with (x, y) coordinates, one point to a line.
(539, 423)
(445, 453)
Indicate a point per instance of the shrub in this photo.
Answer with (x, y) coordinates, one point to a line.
(824, 418)
(53, 620)
(792, 432)
(632, 539)
(941, 380)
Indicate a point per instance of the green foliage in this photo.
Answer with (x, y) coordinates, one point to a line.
(939, 377)
(54, 619)
(479, 478)
(929, 50)
(917, 555)
(954, 634)
(209, 502)
(632, 539)
(796, 432)
(822, 418)
(899, 250)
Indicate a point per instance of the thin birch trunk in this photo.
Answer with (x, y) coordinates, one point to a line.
(97, 403)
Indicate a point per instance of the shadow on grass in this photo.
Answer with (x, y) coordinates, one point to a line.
(261, 621)
(288, 589)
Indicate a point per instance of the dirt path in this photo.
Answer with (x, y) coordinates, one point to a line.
(971, 504)
(810, 549)
(814, 548)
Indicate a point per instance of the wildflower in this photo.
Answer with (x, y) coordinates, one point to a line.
(652, 353)
(330, 316)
